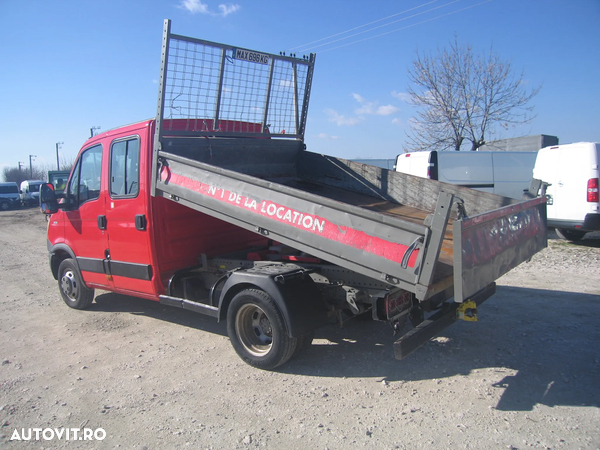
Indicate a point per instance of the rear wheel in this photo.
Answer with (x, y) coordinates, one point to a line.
(74, 292)
(570, 235)
(304, 342)
(257, 330)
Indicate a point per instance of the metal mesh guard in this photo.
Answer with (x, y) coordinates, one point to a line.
(210, 84)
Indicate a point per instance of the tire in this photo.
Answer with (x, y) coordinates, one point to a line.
(4, 206)
(257, 330)
(570, 235)
(72, 289)
(304, 342)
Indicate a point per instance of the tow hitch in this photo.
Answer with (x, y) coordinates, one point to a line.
(448, 313)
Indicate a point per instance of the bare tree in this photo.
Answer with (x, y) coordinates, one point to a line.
(13, 174)
(463, 97)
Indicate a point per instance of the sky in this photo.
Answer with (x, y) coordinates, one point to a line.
(67, 66)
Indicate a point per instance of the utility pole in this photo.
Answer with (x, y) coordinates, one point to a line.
(58, 145)
(92, 131)
(20, 164)
(31, 165)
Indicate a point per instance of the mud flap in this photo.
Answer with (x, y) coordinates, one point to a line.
(446, 316)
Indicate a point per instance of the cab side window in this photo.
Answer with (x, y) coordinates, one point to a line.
(84, 184)
(125, 168)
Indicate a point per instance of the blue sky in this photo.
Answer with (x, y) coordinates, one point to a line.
(70, 65)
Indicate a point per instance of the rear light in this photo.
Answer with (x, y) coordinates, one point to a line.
(592, 190)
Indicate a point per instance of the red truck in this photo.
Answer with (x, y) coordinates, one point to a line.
(216, 206)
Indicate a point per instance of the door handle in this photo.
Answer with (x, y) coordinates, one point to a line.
(140, 222)
(102, 222)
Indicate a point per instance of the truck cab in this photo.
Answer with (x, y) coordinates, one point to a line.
(119, 236)
(95, 226)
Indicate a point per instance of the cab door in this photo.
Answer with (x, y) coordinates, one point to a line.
(126, 216)
(84, 228)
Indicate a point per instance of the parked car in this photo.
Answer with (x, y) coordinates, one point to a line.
(9, 196)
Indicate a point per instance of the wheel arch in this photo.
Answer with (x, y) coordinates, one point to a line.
(229, 291)
(297, 298)
(57, 254)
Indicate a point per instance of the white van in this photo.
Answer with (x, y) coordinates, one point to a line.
(502, 173)
(30, 192)
(573, 203)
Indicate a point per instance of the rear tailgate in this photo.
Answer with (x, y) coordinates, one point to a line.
(488, 245)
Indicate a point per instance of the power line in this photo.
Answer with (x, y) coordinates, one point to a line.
(408, 26)
(398, 29)
(381, 26)
(362, 26)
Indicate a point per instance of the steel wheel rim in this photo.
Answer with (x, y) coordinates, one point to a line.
(68, 284)
(254, 330)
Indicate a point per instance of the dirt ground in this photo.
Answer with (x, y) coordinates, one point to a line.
(526, 375)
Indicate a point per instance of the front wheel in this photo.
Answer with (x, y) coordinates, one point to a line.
(72, 289)
(257, 330)
(570, 235)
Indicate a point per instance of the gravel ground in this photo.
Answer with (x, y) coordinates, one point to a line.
(526, 375)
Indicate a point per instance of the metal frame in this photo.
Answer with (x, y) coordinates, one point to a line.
(439, 222)
(291, 112)
(300, 113)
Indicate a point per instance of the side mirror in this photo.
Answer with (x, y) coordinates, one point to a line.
(48, 200)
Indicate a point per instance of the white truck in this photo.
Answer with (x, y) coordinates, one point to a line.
(502, 173)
